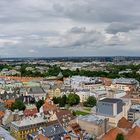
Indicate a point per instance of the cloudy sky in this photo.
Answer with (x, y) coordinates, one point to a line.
(69, 28)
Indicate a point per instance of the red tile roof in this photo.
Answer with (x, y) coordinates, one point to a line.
(41, 137)
(134, 134)
(48, 105)
(124, 123)
(1, 114)
(66, 137)
(8, 103)
(76, 129)
(106, 81)
(30, 112)
(22, 79)
(112, 134)
(64, 117)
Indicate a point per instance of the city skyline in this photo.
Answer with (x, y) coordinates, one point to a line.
(43, 28)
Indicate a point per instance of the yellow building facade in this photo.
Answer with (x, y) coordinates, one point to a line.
(20, 129)
(22, 134)
(54, 92)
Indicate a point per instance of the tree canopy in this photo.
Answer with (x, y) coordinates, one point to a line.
(39, 104)
(91, 101)
(120, 137)
(73, 99)
(18, 105)
(60, 100)
(112, 71)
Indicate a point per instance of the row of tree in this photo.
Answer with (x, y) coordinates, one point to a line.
(91, 102)
(54, 71)
(71, 99)
(19, 105)
(74, 99)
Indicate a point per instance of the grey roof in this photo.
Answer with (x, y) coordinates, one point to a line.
(5, 134)
(6, 96)
(54, 131)
(110, 100)
(98, 120)
(2, 107)
(26, 99)
(134, 110)
(36, 90)
(125, 81)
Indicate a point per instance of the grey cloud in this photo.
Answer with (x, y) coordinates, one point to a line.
(79, 10)
(8, 42)
(60, 26)
(116, 40)
(116, 27)
(85, 39)
(79, 38)
(100, 11)
(78, 30)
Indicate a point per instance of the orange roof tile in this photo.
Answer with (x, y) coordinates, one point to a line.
(1, 114)
(67, 137)
(111, 135)
(30, 112)
(124, 123)
(134, 134)
(76, 129)
(106, 81)
(9, 101)
(41, 137)
(48, 105)
(22, 79)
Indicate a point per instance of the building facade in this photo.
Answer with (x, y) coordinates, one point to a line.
(113, 109)
(20, 129)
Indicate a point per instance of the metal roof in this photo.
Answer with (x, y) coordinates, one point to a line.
(110, 100)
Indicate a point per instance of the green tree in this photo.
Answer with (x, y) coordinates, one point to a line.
(73, 113)
(60, 100)
(18, 105)
(54, 70)
(73, 99)
(91, 101)
(64, 98)
(90, 139)
(55, 100)
(39, 104)
(120, 137)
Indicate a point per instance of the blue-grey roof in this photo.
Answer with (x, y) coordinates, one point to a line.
(54, 131)
(5, 134)
(6, 96)
(111, 100)
(2, 107)
(36, 90)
